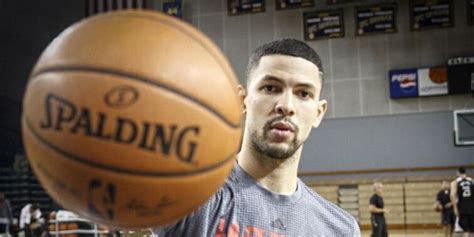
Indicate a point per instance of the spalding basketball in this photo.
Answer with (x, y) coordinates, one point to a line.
(132, 119)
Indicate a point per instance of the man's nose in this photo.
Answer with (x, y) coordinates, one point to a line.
(284, 105)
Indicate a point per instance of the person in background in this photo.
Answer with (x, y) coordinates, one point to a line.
(376, 208)
(31, 222)
(463, 202)
(6, 218)
(444, 205)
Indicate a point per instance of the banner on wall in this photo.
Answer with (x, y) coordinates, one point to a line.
(461, 75)
(432, 81)
(341, 2)
(93, 7)
(470, 12)
(427, 14)
(376, 19)
(173, 8)
(238, 7)
(323, 24)
(292, 4)
(403, 83)
(415, 82)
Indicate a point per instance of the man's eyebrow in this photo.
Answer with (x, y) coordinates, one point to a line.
(268, 78)
(306, 85)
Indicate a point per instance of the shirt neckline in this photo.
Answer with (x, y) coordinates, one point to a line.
(243, 176)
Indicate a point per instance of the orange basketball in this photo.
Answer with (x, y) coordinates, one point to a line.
(132, 119)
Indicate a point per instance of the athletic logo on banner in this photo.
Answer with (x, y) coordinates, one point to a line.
(403, 83)
(433, 81)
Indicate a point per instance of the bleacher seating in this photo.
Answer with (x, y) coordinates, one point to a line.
(409, 199)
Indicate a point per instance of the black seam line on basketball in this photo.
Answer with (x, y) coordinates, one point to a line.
(77, 158)
(143, 79)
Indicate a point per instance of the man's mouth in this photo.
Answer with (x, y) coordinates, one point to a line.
(282, 126)
(281, 131)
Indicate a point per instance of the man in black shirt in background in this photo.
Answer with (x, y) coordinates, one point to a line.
(444, 205)
(463, 201)
(376, 208)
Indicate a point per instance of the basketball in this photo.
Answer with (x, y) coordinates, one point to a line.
(132, 119)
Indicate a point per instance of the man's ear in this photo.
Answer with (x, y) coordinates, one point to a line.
(243, 96)
(321, 110)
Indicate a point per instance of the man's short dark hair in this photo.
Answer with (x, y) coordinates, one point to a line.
(290, 47)
(462, 170)
(34, 207)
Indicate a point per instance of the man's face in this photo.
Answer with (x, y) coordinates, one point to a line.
(282, 104)
(379, 190)
(445, 185)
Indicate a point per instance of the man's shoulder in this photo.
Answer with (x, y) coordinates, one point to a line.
(335, 217)
(374, 198)
(25, 208)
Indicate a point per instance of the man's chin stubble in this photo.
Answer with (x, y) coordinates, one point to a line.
(264, 151)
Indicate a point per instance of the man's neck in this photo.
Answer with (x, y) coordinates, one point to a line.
(278, 176)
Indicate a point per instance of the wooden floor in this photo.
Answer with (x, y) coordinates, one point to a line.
(410, 233)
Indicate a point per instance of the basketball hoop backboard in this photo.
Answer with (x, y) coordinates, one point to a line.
(464, 127)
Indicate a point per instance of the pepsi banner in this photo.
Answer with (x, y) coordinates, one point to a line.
(238, 7)
(403, 83)
(376, 19)
(408, 83)
(323, 24)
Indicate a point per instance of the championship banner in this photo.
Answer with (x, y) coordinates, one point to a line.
(292, 4)
(342, 2)
(427, 14)
(418, 82)
(173, 8)
(403, 83)
(101, 6)
(376, 19)
(238, 7)
(470, 12)
(323, 24)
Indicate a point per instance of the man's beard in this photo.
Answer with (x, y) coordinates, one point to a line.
(261, 146)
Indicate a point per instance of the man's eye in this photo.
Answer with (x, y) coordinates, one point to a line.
(304, 94)
(269, 88)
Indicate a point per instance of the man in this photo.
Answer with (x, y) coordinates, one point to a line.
(377, 210)
(263, 195)
(463, 201)
(443, 204)
(31, 221)
(6, 219)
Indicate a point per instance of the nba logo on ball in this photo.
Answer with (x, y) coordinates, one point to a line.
(118, 132)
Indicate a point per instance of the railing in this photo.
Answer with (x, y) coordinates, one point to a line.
(94, 231)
